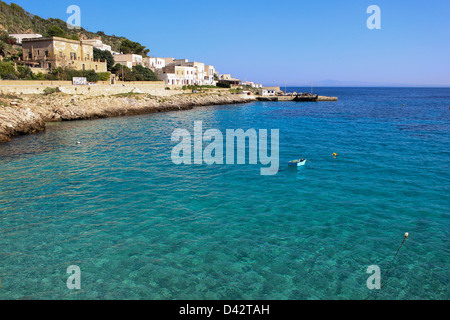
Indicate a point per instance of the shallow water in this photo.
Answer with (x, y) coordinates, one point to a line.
(140, 227)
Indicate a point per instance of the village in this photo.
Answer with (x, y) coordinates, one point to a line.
(43, 54)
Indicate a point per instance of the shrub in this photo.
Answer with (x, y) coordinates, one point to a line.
(103, 76)
(10, 76)
(49, 90)
(6, 68)
(223, 85)
(24, 72)
(38, 76)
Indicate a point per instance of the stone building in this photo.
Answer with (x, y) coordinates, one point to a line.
(55, 52)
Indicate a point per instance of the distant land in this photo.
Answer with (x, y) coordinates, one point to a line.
(337, 83)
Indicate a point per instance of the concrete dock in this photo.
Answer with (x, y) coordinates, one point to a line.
(291, 98)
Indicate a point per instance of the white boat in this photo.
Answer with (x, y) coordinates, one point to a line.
(297, 163)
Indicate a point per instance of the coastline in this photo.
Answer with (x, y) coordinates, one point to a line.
(21, 115)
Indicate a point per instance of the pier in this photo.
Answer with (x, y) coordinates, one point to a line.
(293, 98)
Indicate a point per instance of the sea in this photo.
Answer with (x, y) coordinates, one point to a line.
(113, 217)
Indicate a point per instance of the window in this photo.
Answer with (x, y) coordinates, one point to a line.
(46, 53)
(73, 56)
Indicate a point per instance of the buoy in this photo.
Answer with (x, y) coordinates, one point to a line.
(78, 142)
(335, 154)
(403, 105)
(406, 235)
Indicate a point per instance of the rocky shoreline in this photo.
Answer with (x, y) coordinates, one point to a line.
(28, 114)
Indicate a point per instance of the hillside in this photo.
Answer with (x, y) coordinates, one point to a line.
(14, 19)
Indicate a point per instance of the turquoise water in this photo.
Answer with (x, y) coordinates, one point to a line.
(140, 227)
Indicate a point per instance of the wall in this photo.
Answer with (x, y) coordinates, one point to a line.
(101, 88)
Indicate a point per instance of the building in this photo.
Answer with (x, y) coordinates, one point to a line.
(98, 44)
(251, 84)
(210, 71)
(129, 60)
(177, 75)
(225, 77)
(55, 52)
(20, 36)
(184, 72)
(267, 92)
(154, 63)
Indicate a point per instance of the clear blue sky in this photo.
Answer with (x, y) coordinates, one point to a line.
(271, 42)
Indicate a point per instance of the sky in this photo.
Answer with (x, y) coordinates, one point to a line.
(296, 42)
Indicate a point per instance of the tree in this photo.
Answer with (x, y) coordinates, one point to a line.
(7, 71)
(55, 31)
(142, 73)
(3, 49)
(128, 46)
(106, 56)
(74, 37)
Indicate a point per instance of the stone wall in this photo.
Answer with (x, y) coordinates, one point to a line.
(101, 88)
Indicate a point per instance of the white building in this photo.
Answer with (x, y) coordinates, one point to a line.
(20, 36)
(177, 75)
(251, 84)
(209, 75)
(266, 92)
(154, 63)
(183, 72)
(98, 44)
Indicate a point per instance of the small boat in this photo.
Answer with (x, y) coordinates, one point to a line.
(297, 163)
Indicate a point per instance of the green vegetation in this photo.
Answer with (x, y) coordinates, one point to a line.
(56, 31)
(9, 72)
(104, 55)
(138, 73)
(128, 46)
(16, 20)
(197, 87)
(68, 74)
(223, 85)
(49, 90)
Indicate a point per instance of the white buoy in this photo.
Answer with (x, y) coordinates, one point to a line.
(78, 142)
(406, 235)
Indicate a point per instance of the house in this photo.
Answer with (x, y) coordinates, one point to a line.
(97, 43)
(210, 71)
(251, 84)
(267, 92)
(177, 75)
(225, 77)
(154, 63)
(20, 36)
(55, 52)
(129, 60)
(183, 71)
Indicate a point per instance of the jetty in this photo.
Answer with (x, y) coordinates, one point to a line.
(294, 98)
